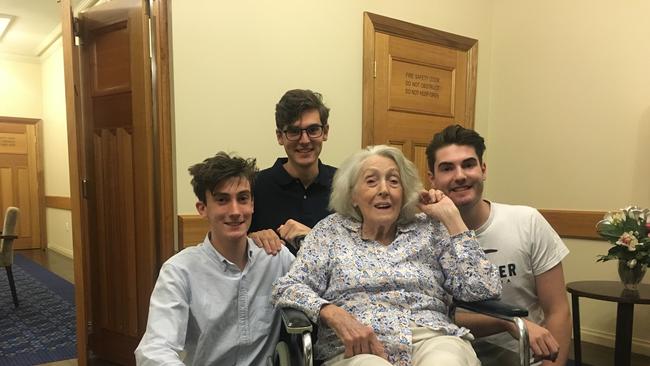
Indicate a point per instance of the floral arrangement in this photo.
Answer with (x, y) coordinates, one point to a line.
(628, 229)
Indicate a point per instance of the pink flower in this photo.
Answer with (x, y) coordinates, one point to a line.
(628, 240)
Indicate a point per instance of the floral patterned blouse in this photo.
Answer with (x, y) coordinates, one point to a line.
(386, 287)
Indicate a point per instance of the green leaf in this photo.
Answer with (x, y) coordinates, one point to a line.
(604, 258)
(609, 231)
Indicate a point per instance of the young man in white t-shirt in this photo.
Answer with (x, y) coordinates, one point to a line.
(525, 248)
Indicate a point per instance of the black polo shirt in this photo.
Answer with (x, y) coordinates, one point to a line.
(279, 197)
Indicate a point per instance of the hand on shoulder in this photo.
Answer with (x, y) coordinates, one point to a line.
(267, 240)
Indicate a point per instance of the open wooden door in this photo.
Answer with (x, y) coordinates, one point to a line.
(114, 175)
(416, 81)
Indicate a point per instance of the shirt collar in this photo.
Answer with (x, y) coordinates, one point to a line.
(487, 222)
(283, 178)
(355, 226)
(213, 253)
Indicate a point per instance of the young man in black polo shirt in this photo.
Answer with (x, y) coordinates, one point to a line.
(293, 194)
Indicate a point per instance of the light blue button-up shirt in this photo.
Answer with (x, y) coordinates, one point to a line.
(205, 307)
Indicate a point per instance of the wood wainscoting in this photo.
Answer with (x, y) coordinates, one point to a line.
(567, 223)
(574, 224)
(191, 230)
(62, 203)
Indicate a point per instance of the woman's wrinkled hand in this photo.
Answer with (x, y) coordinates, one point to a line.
(435, 204)
(356, 337)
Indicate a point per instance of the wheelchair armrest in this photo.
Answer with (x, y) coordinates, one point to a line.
(494, 308)
(497, 309)
(295, 321)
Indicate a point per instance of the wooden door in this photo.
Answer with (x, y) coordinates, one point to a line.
(21, 179)
(417, 81)
(113, 144)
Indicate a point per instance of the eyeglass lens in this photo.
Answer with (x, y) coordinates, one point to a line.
(294, 133)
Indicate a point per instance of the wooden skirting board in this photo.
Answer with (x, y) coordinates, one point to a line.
(568, 223)
(62, 203)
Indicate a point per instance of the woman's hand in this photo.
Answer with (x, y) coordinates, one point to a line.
(357, 338)
(439, 207)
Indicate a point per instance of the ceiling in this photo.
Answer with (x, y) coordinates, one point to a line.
(35, 26)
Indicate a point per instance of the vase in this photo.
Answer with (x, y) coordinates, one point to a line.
(630, 277)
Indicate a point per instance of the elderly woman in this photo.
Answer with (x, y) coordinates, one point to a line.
(377, 276)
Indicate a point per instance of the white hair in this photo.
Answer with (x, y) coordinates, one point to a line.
(347, 175)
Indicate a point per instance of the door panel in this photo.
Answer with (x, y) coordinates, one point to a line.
(20, 182)
(421, 81)
(115, 230)
(419, 89)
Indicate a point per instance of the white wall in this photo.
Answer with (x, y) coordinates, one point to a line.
(569, 123)
(55, 146)
(33, 87)
(233, 61)
(20, 87)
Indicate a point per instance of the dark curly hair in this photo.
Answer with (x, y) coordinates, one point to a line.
(213, 171)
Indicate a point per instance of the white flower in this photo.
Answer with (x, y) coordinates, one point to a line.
(628, 240)
(615, 217)
(635, 213)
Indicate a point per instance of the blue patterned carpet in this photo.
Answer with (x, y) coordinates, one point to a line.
(42, 328)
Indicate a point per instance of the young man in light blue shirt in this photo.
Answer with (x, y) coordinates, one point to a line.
(211, 305)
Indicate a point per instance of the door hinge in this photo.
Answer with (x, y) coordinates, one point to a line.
(76, 31)
(374, 69)
(75, 26)
(84, 188)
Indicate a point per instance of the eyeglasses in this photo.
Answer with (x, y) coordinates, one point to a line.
(294, 133)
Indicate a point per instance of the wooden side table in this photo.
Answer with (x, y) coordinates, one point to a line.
(615, 292)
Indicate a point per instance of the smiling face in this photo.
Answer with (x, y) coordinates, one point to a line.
(378, 192)
(228, 210)
(303, 153)
(459, 174)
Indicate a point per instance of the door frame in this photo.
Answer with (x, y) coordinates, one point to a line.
(374, 23)
(38, 165)
(164, 183)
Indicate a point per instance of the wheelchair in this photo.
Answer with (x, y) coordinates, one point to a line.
(295, 346)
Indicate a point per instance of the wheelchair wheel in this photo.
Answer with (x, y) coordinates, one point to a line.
(282, 357)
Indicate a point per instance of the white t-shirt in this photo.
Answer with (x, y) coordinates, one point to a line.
(526, 246)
